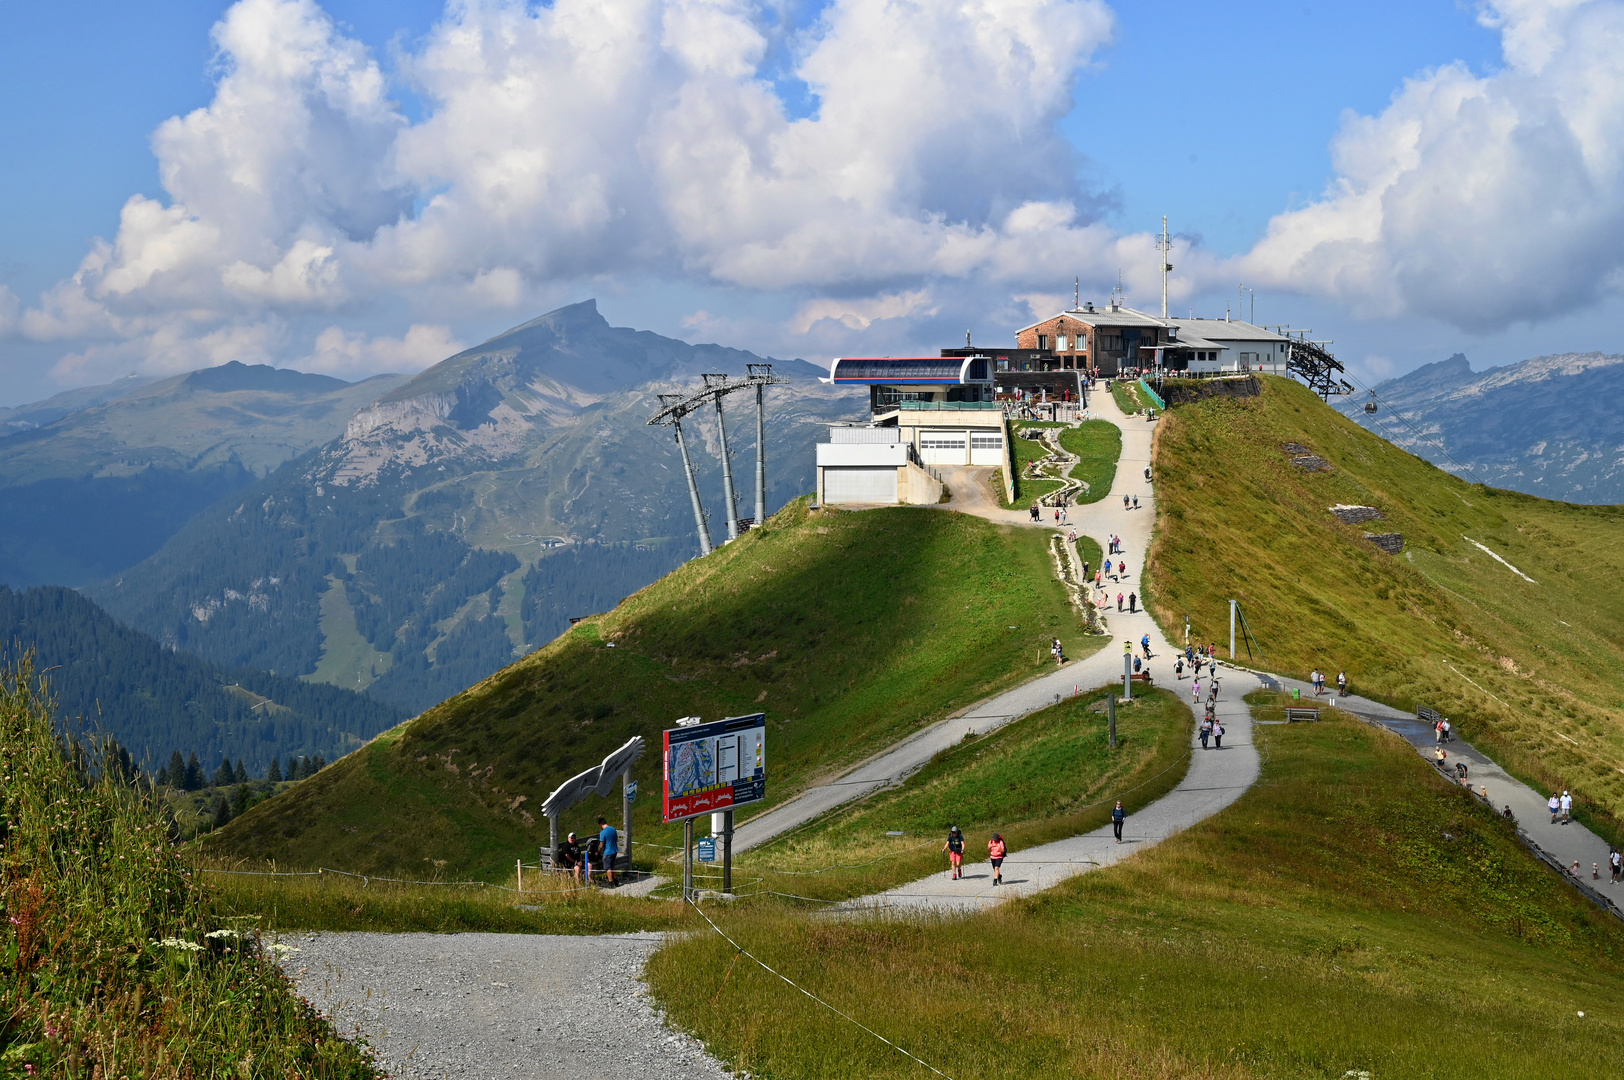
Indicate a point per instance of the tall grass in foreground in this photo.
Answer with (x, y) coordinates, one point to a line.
(118, 968)
(330, 902)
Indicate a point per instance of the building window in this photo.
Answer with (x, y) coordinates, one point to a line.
(1043, 342)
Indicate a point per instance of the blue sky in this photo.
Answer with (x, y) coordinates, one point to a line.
(1224, 117)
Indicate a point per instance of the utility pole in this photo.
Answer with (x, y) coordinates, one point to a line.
(727, 464)
(705, 547)
(1165, 246)
(756, 371)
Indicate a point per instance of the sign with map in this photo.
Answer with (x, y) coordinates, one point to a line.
(715, 766)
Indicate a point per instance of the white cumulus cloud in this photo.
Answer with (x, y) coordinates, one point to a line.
(351, 355)
(1480, 200)
(586, 139)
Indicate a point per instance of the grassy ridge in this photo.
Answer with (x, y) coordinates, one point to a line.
(1047, 776)
(850, 630)
(1529, 671)
(1320, 925)
(120, 965)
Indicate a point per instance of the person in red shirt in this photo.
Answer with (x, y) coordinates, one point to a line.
(995, 853)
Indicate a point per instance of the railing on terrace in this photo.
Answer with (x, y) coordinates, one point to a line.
(940, 406)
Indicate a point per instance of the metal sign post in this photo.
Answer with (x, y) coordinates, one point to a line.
(688, 859)
(628, 792)
(1127, 670)
(727, 854)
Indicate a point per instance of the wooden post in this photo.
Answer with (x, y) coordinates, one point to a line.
(518, 872)
(688, 859)
(1110, 712)
(727, 852)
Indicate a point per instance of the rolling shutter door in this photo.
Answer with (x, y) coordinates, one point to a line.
(852, 484)
(943, 447)
(986, 448)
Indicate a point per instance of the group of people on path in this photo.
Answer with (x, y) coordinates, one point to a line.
(1316, 678)
(998, 848)
(1561, 807)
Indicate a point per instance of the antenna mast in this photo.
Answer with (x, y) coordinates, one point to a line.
(1165, 246)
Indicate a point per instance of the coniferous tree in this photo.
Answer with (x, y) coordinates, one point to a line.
(224, 776)
(163, 775)
(194, 773)
(239, 800)
(293, 768)
(242, 772)
(177, 770)
(274, 773)
(317, 764)
(222, 813)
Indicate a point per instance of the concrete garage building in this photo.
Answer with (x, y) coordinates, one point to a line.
(872, 464)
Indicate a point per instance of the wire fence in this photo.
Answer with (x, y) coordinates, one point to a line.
(740, 950)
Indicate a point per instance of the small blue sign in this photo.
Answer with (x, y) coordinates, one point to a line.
(707, 849)
(631, 791)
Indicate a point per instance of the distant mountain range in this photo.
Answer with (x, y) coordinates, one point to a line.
(461, 517)
(109, 679)
(92, 481)
(1550, 426)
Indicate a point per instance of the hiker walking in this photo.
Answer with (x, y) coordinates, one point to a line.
(1555, 806)
(995, 855)
(1342, 684)
(1059, 654)
(1438, 732)
(1034, 512)
(955, 853)
(1316, 680)
(1195, 689)
(1567, 808)
(1133, 602)
(1136, 502)
(1119, 601)
(1448, 731)
(1124, 502)
(1178, 667)
(1118, 816)
(1217, 735)
(1616, 862)
(1107, 569)
(1206, 732)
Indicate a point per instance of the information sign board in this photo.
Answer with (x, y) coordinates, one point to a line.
(707, 849)
(631, 791)
(715, 766)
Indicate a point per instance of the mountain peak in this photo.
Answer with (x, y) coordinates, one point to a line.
(235, 375)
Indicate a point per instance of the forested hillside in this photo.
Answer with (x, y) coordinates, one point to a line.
(158, 702)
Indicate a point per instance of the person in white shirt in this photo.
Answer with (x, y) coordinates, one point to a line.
(1567, 807)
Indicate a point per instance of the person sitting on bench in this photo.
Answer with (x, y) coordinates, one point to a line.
(567, 857)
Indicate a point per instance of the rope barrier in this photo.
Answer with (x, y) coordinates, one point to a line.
(742, 951)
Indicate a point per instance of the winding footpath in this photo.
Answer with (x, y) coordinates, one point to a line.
(1215, 779)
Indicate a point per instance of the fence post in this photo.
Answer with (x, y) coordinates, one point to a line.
(518, 872)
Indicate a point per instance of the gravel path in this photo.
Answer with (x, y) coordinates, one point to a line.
(513, 1006)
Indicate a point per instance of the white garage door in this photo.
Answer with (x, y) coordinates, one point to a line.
(943, 447)
(850, 484)
(986, 448)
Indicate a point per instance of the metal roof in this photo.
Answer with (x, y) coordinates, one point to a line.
(1122, 316)
(906, 370)
(1224, 330)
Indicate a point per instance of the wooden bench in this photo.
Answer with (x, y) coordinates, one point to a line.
(1294, 715)
(1141, 676)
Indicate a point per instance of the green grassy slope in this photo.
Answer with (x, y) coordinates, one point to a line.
(1045, 777)
(1351, 914)
(849, 630)
(1098, 445)
(1529, 671)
